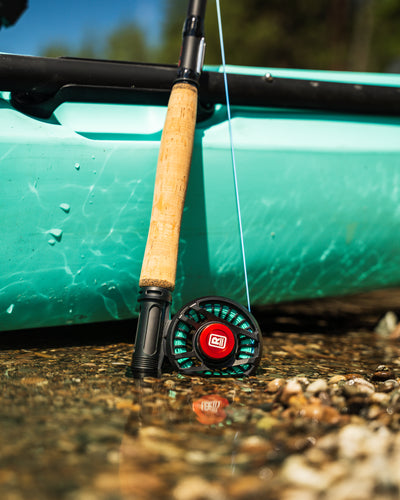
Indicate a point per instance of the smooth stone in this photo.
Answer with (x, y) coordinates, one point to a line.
(197, 488)
(319, 385)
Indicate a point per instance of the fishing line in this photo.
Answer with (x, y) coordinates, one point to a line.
(228, 108)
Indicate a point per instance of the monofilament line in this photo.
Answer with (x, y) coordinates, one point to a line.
(228, 108)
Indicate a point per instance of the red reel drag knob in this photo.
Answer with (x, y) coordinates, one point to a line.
(216, 341)
(213, 336)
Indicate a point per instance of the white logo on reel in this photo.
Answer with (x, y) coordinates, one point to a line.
(217, 341)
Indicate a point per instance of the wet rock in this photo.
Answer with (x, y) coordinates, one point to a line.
(133, 484)
(247, 487)
(387, 324)
(319, 385)
(297, 401)
(291, 388)
(38, 381)
(238, 415)
(297, 472)
(351, 441)
(351, 489)
(170, 384)
(335, 379)
(200, 457)
(358, 386)
(299, 494)
(374, 411)
(158, 441)
(387, 386)
(338, 401)
(382, 373)
(395, 334)
(394, 398)
(320, 413)
(379, 398)
(266, 423)
(328, 443)
(197, 488)
(254, 444)
(266, 406)
(275, 385)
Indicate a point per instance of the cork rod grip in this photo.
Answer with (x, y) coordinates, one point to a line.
(173, 167)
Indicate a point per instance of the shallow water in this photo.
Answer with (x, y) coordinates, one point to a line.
(319, 421)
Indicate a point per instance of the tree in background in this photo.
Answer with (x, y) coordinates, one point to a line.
(126, 43)
(361, 35)
(385, 44)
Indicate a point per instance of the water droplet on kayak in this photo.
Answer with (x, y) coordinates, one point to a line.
(77, 166)
(56, 233)
(94, 171)
(51, 242)
(65, 207)
(10, 309)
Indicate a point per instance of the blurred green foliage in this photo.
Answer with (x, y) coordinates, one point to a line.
(360, 35)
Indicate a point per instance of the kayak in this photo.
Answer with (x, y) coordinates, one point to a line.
(318, 170)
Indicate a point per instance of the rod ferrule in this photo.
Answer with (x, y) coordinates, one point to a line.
(193, 44)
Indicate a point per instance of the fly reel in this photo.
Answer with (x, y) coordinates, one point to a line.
(214, 336)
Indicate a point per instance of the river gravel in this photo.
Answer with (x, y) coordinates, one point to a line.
(319, 421)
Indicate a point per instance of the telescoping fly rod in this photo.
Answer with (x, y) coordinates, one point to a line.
(211, 335)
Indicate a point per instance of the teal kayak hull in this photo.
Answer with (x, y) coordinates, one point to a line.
(319, 195)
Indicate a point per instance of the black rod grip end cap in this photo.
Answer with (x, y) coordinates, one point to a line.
(154, 312)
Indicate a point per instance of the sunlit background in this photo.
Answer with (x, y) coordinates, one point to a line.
(360, 35)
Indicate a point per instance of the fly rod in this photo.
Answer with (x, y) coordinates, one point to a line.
(157, 278)
(211, 335)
